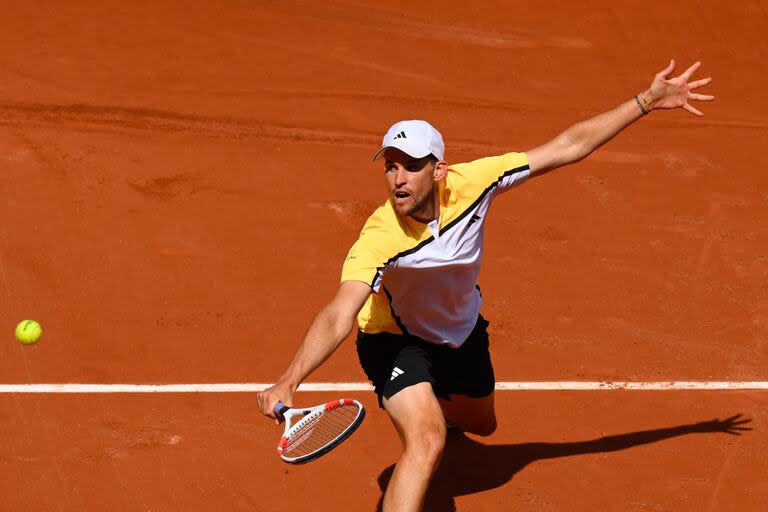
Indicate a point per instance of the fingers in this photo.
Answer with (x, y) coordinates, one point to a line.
(268, 399)
(699, 83)
(735, 425)
(736, 419)
(692, 110)
(691, 70)
(701, 97)
(664, 73)
(261, 400)
(267, 404)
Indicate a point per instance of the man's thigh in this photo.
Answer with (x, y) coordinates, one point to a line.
(473, 415)
(394, 363)
(414, 411)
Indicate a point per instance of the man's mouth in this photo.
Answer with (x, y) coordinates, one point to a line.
(400, 195)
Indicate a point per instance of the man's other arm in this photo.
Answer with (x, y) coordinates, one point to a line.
(581, 139)
(330, 327)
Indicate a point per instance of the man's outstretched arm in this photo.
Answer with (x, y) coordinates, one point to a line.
(329, 328)
(581, 139)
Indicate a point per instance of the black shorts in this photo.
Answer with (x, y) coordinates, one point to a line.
(393, 362)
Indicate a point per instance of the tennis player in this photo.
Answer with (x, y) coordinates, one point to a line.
(410, 281)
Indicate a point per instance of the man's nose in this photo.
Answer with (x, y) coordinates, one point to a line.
(400, 176)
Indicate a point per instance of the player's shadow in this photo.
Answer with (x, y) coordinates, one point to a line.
(469, 466)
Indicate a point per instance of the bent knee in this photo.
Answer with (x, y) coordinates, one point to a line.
(427, 442)
(431, 437)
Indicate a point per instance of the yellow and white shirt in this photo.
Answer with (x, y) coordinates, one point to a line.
(424, 276)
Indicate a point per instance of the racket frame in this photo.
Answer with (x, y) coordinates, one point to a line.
(306, 415)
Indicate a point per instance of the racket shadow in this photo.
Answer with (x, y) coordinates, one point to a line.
(469, 466)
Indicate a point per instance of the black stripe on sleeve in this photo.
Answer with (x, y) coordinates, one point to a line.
(483, 194)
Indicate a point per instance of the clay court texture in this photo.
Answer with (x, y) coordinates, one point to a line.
(181, 182)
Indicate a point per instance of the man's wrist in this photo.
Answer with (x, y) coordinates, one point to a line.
(643, 102)
(648, 101)
(639, 104)
(289, 380)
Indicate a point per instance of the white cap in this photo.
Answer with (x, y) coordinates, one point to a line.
(415, 138)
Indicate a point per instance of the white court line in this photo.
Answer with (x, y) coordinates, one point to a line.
(360, 386)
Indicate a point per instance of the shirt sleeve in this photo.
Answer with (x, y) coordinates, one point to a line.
(497, 172)
(514, 170)
(370, 254)
(362, 265)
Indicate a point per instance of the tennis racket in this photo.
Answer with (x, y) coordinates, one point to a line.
(318, 430)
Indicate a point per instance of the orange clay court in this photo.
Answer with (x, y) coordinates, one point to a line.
(182, 180)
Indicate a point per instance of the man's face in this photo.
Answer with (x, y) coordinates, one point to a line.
(411, 184)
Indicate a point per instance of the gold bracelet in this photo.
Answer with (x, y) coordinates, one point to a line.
(640, 105)
(646, 103)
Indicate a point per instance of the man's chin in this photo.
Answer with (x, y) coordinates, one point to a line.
(403, 209)
(411, 212)
(408, 209)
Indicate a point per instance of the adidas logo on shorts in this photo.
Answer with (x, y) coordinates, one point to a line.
(396, 372)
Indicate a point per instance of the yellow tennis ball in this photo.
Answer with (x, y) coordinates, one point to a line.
(28, 332)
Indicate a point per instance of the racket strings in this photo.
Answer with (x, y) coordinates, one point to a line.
(320, 430)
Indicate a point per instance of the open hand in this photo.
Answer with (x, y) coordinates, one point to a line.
(734, 425)
(675, 92)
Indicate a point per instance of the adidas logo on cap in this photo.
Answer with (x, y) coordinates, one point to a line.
(422, 140)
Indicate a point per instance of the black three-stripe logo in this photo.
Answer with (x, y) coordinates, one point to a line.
(401, 135)
(474, 219)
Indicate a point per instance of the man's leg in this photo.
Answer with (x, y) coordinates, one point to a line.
(473, 415)
(467, 371)
(419, 421)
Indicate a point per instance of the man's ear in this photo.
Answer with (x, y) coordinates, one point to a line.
(441, 169)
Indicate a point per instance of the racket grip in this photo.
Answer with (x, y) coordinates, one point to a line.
(280, 410)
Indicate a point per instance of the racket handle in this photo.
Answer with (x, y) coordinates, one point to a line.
(280, 409)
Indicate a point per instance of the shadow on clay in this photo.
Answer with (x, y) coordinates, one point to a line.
(469, 466)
